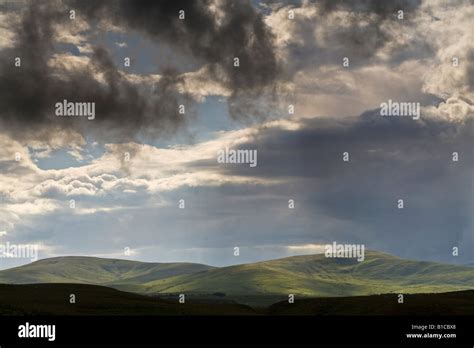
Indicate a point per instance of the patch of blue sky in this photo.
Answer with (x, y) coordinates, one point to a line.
(61, 158)
(212, 117)
(146, 56)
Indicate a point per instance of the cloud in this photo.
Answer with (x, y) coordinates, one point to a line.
(390, 159)
(389, 58)
(280, 60)
(7, 36)
(125, 111)
(213, 31)
(124, 173)
(446, 79)
(123, 181)
(307, 248)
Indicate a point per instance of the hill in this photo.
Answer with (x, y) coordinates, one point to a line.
(450, 303)
(53, 299)
(316, 275)
(261, 282)
(93, 270)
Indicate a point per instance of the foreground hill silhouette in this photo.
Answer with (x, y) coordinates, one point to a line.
(261, 282)
(53, 299)
(450, 303)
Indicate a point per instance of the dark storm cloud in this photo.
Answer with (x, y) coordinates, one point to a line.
(29, 93)
(124, 111)
(214, 38)
(236, 31)
(390, 159)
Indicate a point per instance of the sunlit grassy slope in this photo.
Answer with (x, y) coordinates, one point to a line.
(316, 275)
(93, 270)
(309, 275)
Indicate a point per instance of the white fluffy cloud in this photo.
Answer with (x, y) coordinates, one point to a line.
(395, 59)
(29, 190)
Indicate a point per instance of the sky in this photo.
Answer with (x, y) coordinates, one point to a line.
(129, 169)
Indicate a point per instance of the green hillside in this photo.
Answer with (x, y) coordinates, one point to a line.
(304, 276)
(93, 270)
(316, 275)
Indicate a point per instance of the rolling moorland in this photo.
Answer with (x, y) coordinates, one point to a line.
(312, 278)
